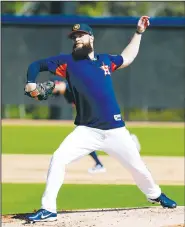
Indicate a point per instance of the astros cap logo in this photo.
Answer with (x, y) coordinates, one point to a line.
(76, 27)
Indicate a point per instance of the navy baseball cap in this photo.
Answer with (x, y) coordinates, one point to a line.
(81, 28)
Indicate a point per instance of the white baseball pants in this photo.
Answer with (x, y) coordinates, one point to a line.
(83, 140)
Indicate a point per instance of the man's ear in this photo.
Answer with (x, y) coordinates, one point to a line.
(91, 39)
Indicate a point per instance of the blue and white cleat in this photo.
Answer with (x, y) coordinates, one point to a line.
(41, 215)
(97, 169)
(164, 201)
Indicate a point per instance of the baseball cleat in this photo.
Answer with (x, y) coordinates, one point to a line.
(97, 169)
(164, 201)
(41, 215)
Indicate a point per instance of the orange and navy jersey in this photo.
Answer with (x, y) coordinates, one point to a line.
(90, 85)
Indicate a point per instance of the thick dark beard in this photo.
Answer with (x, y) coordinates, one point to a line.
(81, 53)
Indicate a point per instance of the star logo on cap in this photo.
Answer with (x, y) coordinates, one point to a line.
(76, 27)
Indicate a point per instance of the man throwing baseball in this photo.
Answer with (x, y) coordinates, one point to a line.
(99, 124)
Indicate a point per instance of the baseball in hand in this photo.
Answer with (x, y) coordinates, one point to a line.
(143, 23)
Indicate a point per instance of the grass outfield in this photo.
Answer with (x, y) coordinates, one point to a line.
(21, 198)
(164, 141)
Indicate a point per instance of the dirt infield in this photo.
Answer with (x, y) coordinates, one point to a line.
(33, 169)
(145, 217)
(70, 123)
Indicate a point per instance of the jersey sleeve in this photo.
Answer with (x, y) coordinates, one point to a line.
(56, 65)
(116, 61)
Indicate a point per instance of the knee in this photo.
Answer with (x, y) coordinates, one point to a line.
(60, 157)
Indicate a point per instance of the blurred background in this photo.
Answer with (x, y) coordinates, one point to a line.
(151, 89)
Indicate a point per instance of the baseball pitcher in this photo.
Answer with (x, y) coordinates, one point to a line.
(99, 124)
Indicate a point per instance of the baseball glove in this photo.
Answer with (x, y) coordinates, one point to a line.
(42, 91)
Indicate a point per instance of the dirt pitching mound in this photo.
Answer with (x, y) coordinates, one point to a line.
(128, 217)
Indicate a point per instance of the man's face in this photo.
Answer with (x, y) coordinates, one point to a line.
(83, 45)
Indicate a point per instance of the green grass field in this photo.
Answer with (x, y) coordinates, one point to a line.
(22, 198)
(162, 141)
